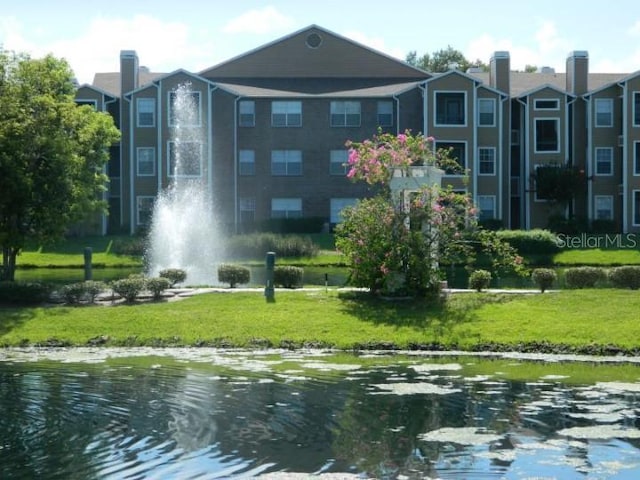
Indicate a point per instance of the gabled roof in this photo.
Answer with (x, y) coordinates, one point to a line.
(96, 89)
(110, 81)
(162, 76)
(437, 76)
(365, 92)
(313, 52)
(545, 87)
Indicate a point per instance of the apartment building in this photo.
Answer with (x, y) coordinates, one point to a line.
(272, 125)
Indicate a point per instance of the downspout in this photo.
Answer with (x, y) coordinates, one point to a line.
(235, 163)
(525, 179)
(500, 162)
(569, 153)
(425, 130)
(159, 136)
(397, 100)
(625, 168)
(474, 150)
(212, 88)
(132, 199)
(590, 168)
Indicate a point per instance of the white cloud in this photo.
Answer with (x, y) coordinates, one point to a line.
(376, 43)
(262, 21)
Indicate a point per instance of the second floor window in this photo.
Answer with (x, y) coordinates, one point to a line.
(636, 109)
(146, 161)
(486, 161)
(184, 109)
(184, 159)
(457, 152)
(247, 113)
(450, 108)
(146, 112)
(636, 158)
(604, 161)
(286, 162)
(604, 112)
(345, 114)
(487, 207)
(286, 114)
(247, 162)
(385, 114)
(286, 207)
(338, 162)
(547, 135)
(486, 112)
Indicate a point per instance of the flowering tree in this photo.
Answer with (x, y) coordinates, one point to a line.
(395, 249)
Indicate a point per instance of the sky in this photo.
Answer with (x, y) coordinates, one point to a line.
(198, 34)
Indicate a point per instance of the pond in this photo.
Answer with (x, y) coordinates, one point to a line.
(205, 413)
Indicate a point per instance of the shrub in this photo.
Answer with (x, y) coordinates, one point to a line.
(479, 280)
(625, 277)
(157, 286)
(584, 277)
(128, 288)
(233, 274)
(530, 241)
(132, 246)
(92, 289)
(24, 293)
(258, 244)
(73, 293)
(287, 276)
(174, 275)
(543, 278)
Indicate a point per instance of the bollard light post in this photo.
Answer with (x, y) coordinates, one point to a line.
(269, 291)
(88, 252)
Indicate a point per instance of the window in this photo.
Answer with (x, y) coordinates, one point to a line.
(92, 103)
(146, 112)
(247, 162)
(487, 207)
(286, 162)
(338, 162)
(547, 135)
(604, 207)
(337, 205)
(457, 152)
(345, 114)
(636, 109)
(636, 208)
(247, 209)
(247, 113)
(385, 114)
(286, 208)
(604, 112)
(487, 161)
(486, 112)
(286, 114)
(184, 109)
(604, 161)
(144, 209)
(450, 108)
(544, 104)
(146, 161)
(636, 158)
(184, 159)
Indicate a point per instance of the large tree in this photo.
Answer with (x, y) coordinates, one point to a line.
(52, 154)
(443, 60)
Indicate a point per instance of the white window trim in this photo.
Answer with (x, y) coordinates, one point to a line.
(287, 162)
(536, 100)
(170, 170)
(170, 117)
(466, 153)
(343, 161)
(378, 113)
(494, 162)
(138, 101)
(138, 149)
(287, 104)
(633, 108)
(139, 200)
(633, 208)
(535, 135)
(595, 205)
(242, 161)
(636, 158)
(253, 113)
(493, 101)
(344, 103)
(287, 200)
(595, 162)
(435, 109)
(494, 201)
(87, 101)
(609, 101)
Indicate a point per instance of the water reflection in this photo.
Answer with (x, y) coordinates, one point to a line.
(239, 415)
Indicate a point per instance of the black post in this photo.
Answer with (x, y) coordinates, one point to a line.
(269, 291)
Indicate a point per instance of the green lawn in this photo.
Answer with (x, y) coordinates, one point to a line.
(578, 318)
(597, 257)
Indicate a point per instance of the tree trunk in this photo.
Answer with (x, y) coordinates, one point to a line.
(8, 269)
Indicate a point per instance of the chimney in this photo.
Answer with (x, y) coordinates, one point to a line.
(128, 71)
(578, 72)
(500, 71)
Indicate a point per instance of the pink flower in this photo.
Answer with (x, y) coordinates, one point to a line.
(402, 138)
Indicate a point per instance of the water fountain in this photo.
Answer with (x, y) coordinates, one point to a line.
(184, 232)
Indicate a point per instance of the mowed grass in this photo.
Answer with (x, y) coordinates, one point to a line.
(346, 321)
(597, 257)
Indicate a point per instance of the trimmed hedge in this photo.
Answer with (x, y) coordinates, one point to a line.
(625, 277)
(24, 293)
(233, 274)
(584, 277)
(157, 286)
(528, 242)
(174, 275)
(288, 276)
(543, 278)
(128, 288)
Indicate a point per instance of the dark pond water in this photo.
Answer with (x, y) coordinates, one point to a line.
(187, 414)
